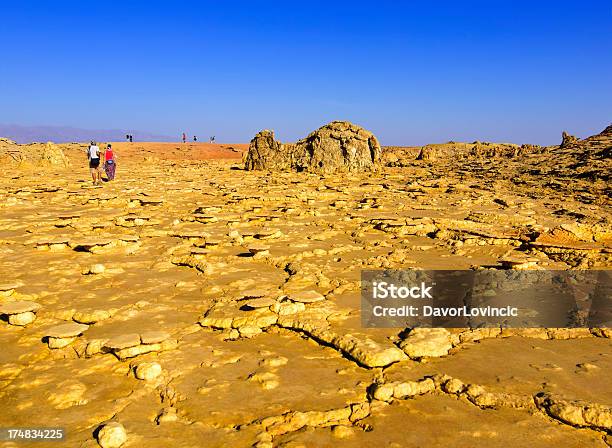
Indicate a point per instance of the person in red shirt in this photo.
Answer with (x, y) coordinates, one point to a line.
(110, 163)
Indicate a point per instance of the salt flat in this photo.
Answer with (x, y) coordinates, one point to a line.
(213, 306)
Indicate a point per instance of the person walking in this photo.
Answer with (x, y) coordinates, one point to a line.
(184, 137)
(110, 164)
(93, 155)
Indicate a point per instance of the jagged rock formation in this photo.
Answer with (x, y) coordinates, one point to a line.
(53, 155)
(32, 153)
(456, 151)
(596, 146)
(453, 150)
(589, 159)
(266, 152)
(337, 146)
(9, 151)
(567, 140)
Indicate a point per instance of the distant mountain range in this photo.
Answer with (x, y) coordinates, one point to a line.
(67, 134)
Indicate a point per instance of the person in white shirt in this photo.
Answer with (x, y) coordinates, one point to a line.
(93, 155)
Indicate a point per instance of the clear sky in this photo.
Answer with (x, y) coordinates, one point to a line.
(411, 72)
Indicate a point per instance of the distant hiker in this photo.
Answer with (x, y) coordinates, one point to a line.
(184, 137)
(127, 137)
(93, 155)
(131, 138)
(195, 138)
(109, 162)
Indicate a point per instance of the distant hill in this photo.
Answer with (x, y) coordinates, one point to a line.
(66, 134)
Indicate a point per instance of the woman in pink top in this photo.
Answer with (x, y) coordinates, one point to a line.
(109, 162)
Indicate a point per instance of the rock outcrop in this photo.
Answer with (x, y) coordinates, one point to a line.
(337, 146)
(53, 155)
(32, 153)
(589, 159)
(454, 150)
(567, 140)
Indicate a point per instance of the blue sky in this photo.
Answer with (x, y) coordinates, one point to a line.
(412, 72)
